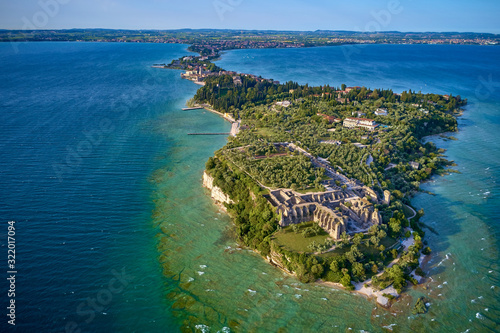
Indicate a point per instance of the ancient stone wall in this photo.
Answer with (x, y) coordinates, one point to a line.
(294, 208)
(330, 221)
(387, 197)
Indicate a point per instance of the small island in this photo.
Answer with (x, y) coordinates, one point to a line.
(318, 180)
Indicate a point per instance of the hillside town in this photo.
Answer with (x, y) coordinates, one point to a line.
(198, 69)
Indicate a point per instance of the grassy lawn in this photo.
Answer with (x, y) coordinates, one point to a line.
(264, 131)
(298, 243)
(367, 251)
(263, 191)
(310, 190)
(335, 252)
(407, 211)
(388, 242)
(295, 241)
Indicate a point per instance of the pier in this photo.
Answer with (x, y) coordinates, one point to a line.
(193, 108)
(235, 128)
(209, 133)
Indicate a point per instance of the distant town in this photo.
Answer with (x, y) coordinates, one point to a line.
(208, 42)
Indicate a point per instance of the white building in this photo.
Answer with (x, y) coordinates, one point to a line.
(331, 142)
(284, 103)
(415, 165)
(368, 124)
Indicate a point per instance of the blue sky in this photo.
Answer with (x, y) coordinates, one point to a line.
(359, 15)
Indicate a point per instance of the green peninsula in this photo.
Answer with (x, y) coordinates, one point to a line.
(318, 180)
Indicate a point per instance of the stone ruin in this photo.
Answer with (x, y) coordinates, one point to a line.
(329, 209)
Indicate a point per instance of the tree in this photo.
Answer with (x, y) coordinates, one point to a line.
(357, 239)
(373, 229)
(312, 246)
(344, 238)
(354, 254)
(419, 307)
(397, 193)
(328, 243)
(358, 270)
(397, 276)
(308, 232)
(303, 274)
(426, 250)
(395, 225)
(317, 270)
(419, 271)
(210, 163)
(381, 234)
(335, 265)
(346, 282)
(317, 229)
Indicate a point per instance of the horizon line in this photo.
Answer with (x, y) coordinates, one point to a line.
(261, 30)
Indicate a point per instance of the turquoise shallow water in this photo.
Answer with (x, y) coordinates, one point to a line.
(464, 211)
(99, 173)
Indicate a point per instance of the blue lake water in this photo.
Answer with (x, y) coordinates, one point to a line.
(115, 233)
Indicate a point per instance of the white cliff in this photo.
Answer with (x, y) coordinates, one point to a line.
(216, 192)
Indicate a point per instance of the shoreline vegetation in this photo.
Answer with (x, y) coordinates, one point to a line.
(211, 41)
(318, 180)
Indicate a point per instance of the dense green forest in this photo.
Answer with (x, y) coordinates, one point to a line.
(411, 116)
(293, 171)
(254, 217)
(357, 258)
